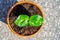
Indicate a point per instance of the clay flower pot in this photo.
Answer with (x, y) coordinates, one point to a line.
(14, 12)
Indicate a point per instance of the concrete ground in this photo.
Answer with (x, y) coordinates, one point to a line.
(51, 29)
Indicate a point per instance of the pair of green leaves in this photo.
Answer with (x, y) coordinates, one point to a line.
(24, 20)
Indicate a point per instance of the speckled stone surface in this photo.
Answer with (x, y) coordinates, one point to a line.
(51, 29)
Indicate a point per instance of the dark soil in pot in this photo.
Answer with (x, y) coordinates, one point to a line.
(27, 9)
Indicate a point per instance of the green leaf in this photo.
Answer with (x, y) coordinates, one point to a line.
(22, 20)
(35, 20)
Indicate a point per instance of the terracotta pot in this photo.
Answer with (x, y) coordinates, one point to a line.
(9, 12)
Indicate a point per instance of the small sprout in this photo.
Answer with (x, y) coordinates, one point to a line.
(22, 20)
(35, 20)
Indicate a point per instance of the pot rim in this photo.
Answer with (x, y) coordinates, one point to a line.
(40, 8)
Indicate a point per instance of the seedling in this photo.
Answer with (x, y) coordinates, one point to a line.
(24, 20)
